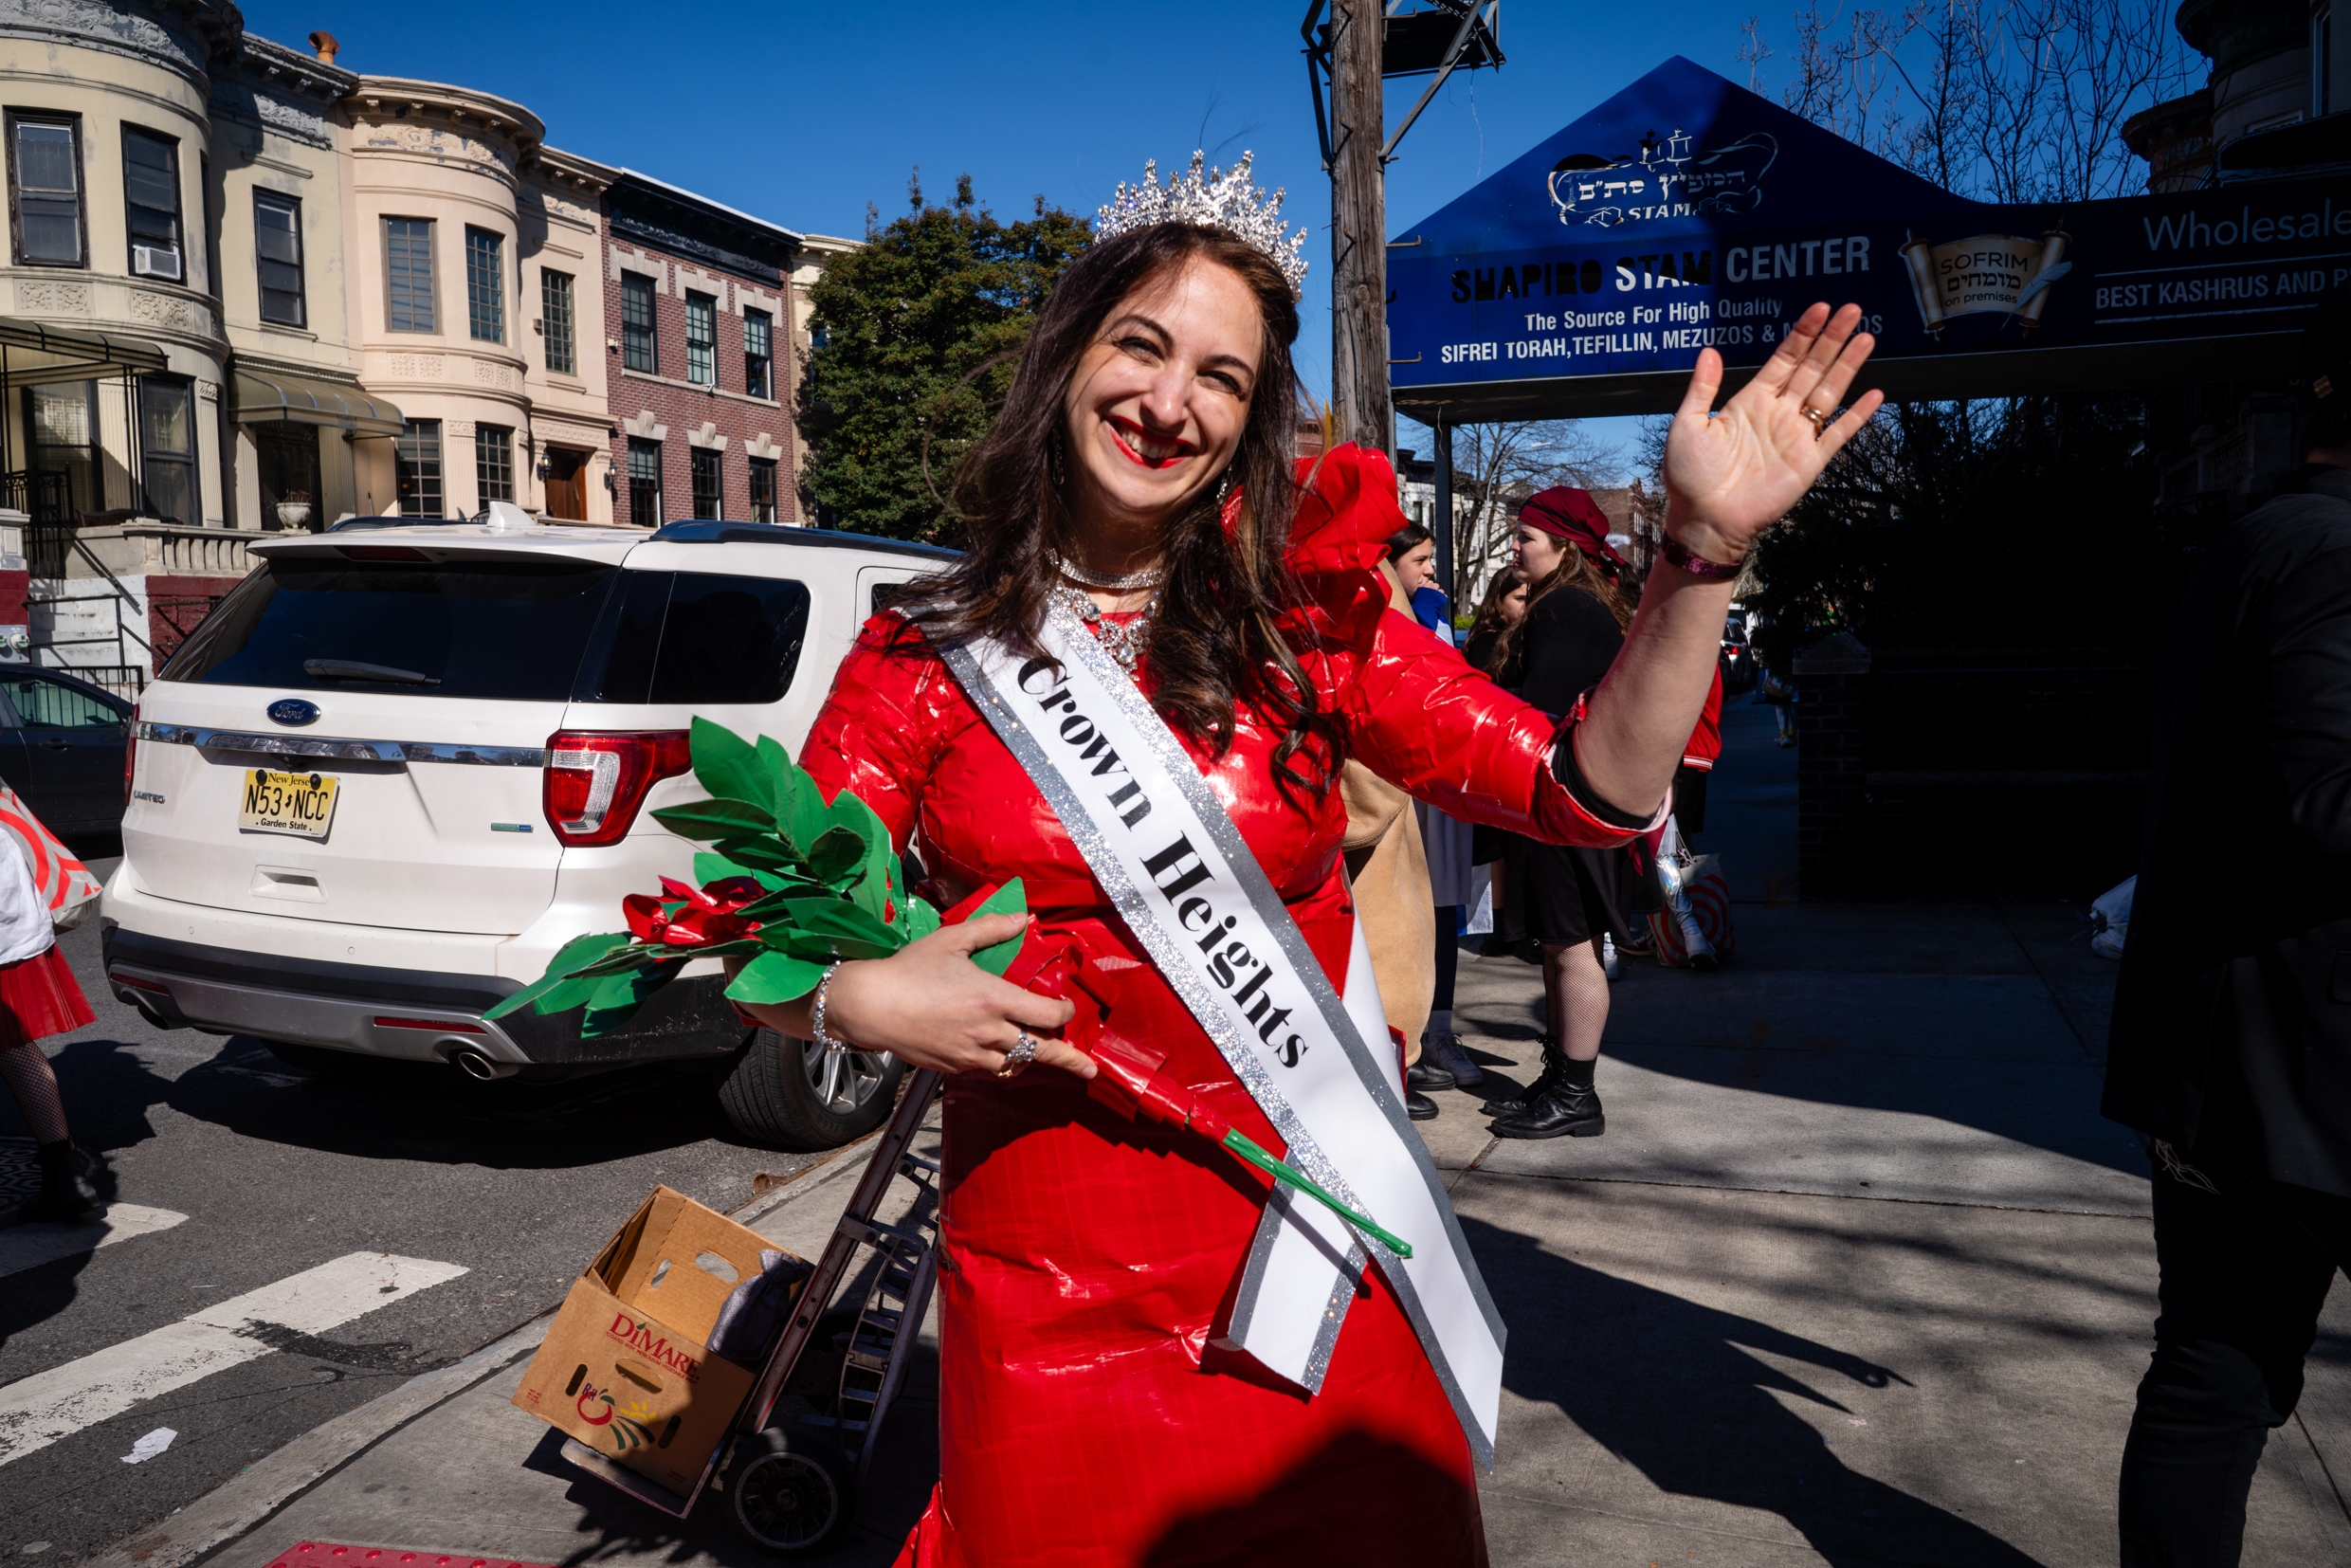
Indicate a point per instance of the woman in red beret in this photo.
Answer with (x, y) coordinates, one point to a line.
(1568, 899)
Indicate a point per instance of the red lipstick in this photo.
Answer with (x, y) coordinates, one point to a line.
(1131, 435)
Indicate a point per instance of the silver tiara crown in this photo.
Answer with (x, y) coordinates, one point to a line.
(1218, 198)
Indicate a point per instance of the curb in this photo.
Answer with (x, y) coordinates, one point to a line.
(248, 1499)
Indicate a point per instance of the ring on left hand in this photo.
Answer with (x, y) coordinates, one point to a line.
(1816, 418)
(1017, 1060)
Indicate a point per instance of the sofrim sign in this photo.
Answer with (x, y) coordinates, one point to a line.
(1688, 213)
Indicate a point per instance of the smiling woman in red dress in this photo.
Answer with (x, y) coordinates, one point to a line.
(1141, 476)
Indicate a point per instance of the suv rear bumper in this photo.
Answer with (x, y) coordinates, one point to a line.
(346, 1006)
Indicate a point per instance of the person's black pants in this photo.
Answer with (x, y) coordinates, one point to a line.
(2246, 1267)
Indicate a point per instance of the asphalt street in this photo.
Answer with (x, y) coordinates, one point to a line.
(425, 1214)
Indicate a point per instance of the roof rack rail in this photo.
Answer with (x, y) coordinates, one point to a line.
(710, 530)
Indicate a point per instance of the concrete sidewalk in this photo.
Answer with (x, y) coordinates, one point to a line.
(1857, 1276)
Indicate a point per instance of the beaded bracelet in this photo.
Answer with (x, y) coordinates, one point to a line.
(834, 1045)
(1678, 556)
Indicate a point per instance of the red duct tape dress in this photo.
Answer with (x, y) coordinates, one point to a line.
(1084, 1417)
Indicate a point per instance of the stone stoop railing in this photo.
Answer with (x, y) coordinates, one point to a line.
(163, 549)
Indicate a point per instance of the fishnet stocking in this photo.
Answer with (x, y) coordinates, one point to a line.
(33, 1082)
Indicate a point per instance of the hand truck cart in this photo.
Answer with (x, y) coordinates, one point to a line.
(789, 1470)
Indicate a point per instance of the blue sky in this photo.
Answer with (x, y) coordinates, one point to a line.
(804, 114)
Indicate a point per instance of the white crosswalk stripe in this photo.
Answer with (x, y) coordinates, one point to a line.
(25, 1247)
(39, 1410)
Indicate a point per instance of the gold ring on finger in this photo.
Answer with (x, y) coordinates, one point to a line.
(1818, 418)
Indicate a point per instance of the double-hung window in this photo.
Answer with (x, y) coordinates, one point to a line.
(554, 321)
(407, 276)
(636, 324)
(763, 490)
(493, 463)
(758, 353)
(416, 468)
(277, 257)
(44, 189)
(645, 483)
(485, 286)
(151, 204)
(710, 483)
(701, 339)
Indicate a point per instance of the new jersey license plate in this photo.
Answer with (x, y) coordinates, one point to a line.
(301, 804)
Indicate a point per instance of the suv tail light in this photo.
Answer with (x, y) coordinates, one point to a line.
(594, 783)
(130, 755)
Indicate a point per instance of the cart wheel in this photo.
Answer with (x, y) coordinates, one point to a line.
(790, 1493)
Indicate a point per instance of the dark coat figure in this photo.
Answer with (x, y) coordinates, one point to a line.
(2232, 1035)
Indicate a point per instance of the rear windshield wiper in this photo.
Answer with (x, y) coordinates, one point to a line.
(347, 669)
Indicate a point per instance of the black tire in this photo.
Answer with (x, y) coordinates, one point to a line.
(783, 1093)
(790, 1493)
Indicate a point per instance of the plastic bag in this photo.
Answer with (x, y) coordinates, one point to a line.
(754, 1311)
(2109, 918)
(1700, 879)
(63, 882)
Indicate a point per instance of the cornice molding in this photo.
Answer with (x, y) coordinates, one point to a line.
(390, 100)
(185, 37)
(274, 67)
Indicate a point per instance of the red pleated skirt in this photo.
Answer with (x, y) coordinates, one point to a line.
(39, 997)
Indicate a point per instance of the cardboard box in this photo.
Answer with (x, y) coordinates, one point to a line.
(624, 1368)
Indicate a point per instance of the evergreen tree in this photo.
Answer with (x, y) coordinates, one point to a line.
(917, 337)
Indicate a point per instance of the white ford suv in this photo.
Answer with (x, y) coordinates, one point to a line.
(403, 763)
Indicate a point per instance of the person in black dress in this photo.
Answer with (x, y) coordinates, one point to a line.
(2231, 1042)
(1567, 899)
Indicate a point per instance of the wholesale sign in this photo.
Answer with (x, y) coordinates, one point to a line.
(1688, 213)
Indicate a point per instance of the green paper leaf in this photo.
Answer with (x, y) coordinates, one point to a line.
(799, 805)
(621, 960)
(851, 932)
(1010, 899)
(572, 955)
(835, 853)
(918, 919)
(765, 852)
(720, 818)
(774, 977)
(730, 768)
(617, 998)
(873, 887)
(573, 991)
(711, 867)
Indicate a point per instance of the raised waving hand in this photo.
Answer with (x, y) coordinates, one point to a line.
(1731, 474)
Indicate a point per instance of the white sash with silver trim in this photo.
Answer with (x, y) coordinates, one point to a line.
(1176, 868)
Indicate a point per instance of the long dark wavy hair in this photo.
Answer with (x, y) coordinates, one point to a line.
(1215, 641)
(1501, 586)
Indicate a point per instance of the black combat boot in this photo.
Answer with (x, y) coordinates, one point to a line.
(1569, 1107)
(64, 1194)
(1554, 1062)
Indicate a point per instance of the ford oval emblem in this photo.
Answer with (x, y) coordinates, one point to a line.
(293, 710)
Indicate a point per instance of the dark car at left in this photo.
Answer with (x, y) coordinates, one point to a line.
(61, 748)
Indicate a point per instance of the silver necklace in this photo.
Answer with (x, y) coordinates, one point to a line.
(1124, 641)
(1128, 582)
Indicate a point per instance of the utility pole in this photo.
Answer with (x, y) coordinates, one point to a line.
(1359, 225)
(1347, 56)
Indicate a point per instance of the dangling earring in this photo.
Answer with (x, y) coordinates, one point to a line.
(1056, 466)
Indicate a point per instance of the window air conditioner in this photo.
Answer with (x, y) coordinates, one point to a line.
(155, 262)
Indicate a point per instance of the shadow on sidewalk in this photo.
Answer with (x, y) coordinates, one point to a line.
(1671, 1388)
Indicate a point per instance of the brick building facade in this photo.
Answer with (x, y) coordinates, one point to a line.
(699, 349)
